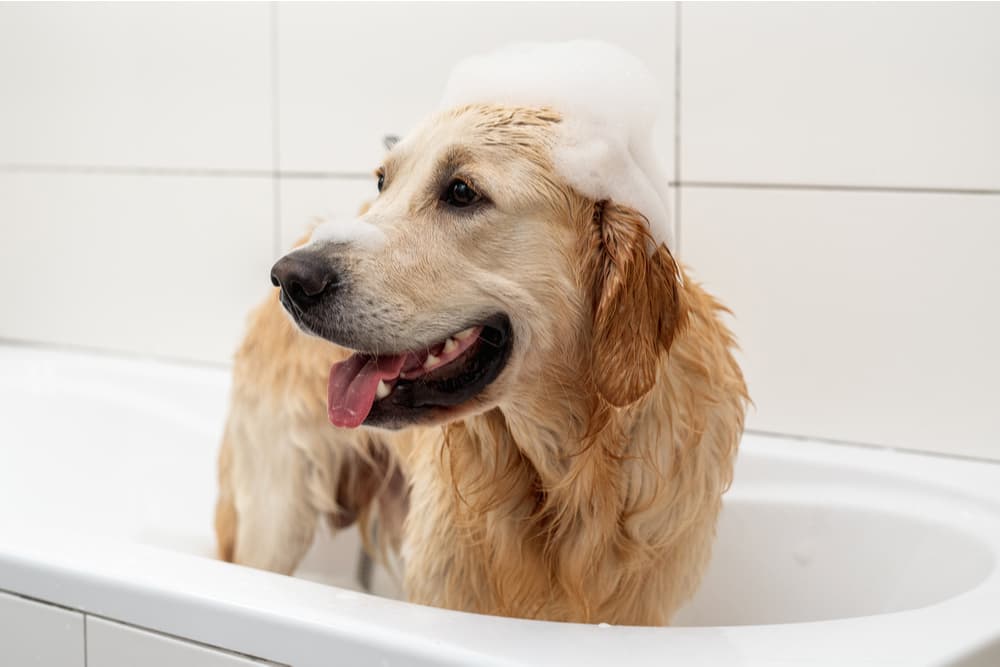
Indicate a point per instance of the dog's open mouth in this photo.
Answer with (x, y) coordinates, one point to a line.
(393, 390)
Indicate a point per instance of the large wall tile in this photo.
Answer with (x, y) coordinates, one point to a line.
(304, 201)
(351, 73)
(153, 84)
(166, 266)
(841, 93)
(862, 316)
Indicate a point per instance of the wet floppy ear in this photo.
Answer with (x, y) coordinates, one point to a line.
(637, 302)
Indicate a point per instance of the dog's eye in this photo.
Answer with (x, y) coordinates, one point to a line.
(459, 194)
(381, 181)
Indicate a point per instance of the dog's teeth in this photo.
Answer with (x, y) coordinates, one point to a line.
(431, 361)
(449, 345)
(383, 390)
(465, 333)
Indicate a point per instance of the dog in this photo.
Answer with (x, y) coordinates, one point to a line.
(537, 401)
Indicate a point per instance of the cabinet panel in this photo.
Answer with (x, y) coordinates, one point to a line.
(33, 634)
(112, 644)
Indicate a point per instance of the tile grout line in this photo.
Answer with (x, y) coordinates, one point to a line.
(836, 442)
(134, 170)
(830, 187)
(320, 175)
(275, 134)
(296, 174)
(139, 170)
(115, 353)
(678, 227)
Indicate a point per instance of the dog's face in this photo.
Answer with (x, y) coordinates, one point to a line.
(468, 275)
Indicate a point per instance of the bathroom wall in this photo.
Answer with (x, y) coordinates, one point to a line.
(836, 173)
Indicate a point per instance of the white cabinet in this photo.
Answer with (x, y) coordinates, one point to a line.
(115, 645)
(35, 634)
(39, 635)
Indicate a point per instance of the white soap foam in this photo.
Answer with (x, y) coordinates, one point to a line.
(356, 231)
(610, 103)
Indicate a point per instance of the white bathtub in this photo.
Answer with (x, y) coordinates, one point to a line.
(827, 554)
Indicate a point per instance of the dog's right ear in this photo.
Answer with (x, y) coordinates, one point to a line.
(637, 302)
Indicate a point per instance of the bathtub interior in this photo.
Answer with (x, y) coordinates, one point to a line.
(127, 450)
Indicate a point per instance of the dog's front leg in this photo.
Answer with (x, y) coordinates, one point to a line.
(263, 517)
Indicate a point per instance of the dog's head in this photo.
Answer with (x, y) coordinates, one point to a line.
(476, 272)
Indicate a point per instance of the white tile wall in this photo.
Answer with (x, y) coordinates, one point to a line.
(305, 200)
(863, 316)
(163, 265)
(348, 77)
(901, 94)
(154, 84)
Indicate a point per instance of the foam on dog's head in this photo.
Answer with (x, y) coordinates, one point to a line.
(610, 104)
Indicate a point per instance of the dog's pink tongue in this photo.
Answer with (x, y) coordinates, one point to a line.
(353, 383)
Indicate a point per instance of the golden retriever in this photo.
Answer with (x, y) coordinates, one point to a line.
(559, 397)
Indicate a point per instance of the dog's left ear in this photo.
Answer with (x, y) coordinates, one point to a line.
(637, 302)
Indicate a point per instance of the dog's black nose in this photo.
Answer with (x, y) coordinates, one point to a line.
(304, 277)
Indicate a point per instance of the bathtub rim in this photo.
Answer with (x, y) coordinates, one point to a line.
(306, 623)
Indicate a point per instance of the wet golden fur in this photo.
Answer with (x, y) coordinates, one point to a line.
(585, 483)
(282, 465)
